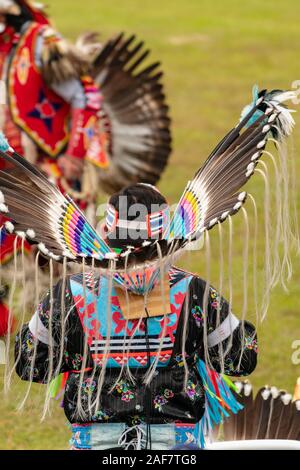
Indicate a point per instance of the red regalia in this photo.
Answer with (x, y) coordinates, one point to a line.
(81, 101)
(43, 115)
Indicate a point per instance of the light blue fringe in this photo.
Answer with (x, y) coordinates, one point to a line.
(248, 108)
(215, 412)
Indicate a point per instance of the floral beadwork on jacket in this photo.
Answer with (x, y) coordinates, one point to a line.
(35, 372)
(193, 390)
(43, 313)
(28, 344)
(121, 399)
(198, 315)
(88, 386)
(231, 369)
(101, 415)
(179, 360)
(162, 399)
(251, 343)
(136, 420)
(216, 299)
(125, 390)
(74, 360)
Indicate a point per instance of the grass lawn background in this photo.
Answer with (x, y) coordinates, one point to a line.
(212, 54)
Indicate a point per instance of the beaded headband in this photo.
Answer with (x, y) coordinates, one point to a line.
(154, 224)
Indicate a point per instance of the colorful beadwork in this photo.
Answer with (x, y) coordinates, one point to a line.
(187, 217)
(79, 236)
(162, 399)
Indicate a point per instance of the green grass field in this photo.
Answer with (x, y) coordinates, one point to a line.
(212, 53)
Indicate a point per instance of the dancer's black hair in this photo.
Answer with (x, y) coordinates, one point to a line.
(151, 199)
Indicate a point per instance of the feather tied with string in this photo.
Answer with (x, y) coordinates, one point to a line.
(272, 414)
(39, 211)
(213, 194)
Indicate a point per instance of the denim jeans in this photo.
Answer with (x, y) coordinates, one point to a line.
(98, 436)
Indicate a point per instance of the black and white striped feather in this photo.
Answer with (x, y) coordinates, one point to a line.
(215, 191)
(39, 211)
(271, 415)
(134, 111)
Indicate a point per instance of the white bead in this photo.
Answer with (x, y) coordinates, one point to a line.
(126, 253)
(43, 249)
(286, 398)
(224, 215)
(265, 394)
(21, 234)
(241, 196)
(255, 156)
(261, 144)
(213, 222)
(111, 255)
(237, 206)
(30, 233)
(55, 257)
(275, 392)
(68, 254)
(9, 226)
(3, 208)
(272, 117)
(247, 389)
(266, 128)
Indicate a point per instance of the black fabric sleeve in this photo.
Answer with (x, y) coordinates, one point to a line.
(37, 358)
(236, 354)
